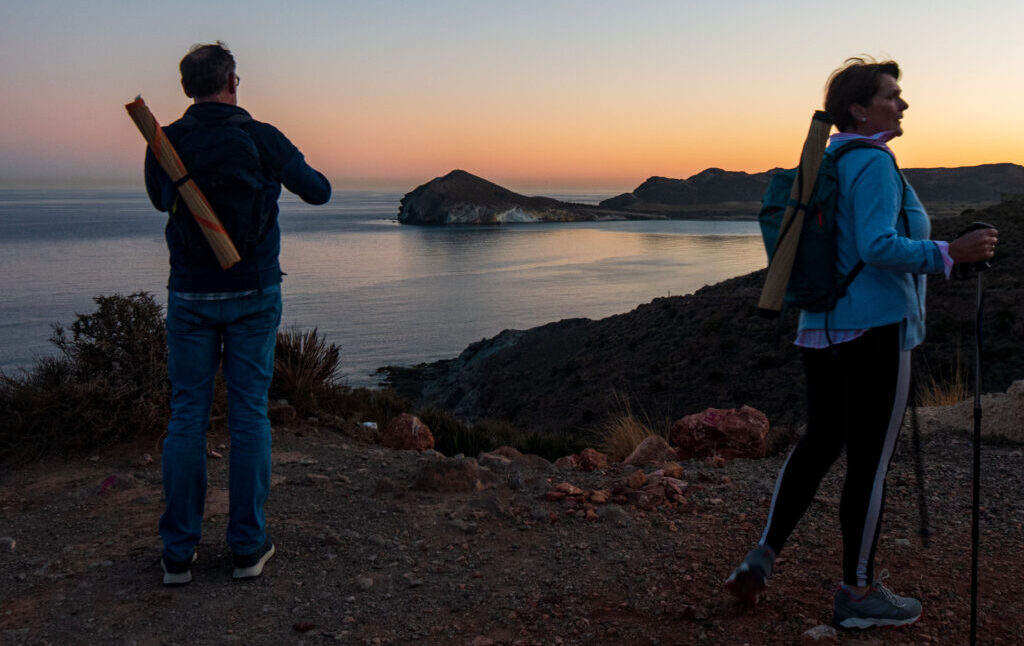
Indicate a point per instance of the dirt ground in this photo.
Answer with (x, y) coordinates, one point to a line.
(368, 556)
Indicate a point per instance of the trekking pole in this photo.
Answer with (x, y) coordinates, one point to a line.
(976, 482)
(979, 267)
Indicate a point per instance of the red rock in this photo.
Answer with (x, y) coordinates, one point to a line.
(651, 450)
(568, 489)
(406, 432)
(726, 433)
(303, 626)
(566, 462)
(591, 460)
(672, 469)
(715, 461)
(636, 480)
(820, 634)
(646, 498)
(554, 496)
(598, 497)
(508, 452)
(675, 489)
(454, 475)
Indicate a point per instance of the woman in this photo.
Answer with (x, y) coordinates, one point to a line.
(857, 356)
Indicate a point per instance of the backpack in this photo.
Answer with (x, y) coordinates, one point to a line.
(815, 284)
(224, 161)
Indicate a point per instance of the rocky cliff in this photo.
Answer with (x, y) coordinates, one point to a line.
(463, 198)
(678, 355)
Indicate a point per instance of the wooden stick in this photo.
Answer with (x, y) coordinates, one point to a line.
(209, 223)
(781, 266)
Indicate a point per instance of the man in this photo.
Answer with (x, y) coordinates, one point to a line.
(223, 317)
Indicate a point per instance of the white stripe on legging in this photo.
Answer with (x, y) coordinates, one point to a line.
(775, 495)
(899, 408)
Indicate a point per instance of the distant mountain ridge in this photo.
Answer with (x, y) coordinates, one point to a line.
(984, 183)
(463, 198)
(706, 187)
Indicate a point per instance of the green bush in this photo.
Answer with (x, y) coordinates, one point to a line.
(452, 436)
(108, 384)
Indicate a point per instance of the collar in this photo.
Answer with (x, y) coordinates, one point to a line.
(878, 139)
(214, 109)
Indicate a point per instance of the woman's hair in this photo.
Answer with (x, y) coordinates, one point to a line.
(205, 69)
(857, 81)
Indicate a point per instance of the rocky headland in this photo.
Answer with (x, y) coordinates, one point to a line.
(462, 198)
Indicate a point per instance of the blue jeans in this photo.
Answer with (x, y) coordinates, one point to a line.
(201, 334)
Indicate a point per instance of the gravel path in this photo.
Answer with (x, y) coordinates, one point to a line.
(368, 556)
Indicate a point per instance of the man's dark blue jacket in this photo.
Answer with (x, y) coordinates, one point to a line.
(282, 164)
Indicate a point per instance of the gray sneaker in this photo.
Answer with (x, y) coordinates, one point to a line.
(250, 566)
(750, 577)
(879, 607)
(177, 573)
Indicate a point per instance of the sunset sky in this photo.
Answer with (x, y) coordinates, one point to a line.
(529, 94)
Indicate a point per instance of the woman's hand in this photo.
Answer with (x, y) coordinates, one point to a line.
(974, 246)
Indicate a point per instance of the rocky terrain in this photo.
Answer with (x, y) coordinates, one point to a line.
(379, 546)
(681, 354)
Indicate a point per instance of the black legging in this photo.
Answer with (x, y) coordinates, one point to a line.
(856, 397)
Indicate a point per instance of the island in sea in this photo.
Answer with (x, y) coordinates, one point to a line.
(463, 198)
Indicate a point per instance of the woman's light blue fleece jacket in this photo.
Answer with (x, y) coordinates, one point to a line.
(891, 286)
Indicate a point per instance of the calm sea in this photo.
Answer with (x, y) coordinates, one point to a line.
(385, 293)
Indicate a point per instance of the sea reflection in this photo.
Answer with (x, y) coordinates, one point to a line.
(387, 294)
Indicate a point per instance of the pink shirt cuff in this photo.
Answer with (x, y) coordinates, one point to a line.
(947, 260)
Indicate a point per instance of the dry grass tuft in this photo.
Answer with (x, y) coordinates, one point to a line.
(623, 432)
(946, 390)
(307, 370)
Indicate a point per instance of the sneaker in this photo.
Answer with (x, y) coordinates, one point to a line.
(749, 579)
(250, 566)
(880, 606)
(177, 572)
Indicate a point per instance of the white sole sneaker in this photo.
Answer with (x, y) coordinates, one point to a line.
(172, 579)
(244, 569)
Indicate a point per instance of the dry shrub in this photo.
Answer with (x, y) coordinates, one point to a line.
(307, 371)
(109, 384)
